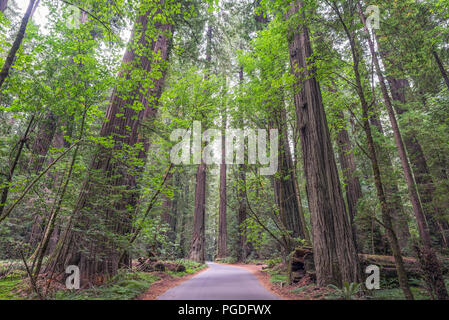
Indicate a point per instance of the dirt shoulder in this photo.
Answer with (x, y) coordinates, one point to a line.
(304, 290)
(167, 282)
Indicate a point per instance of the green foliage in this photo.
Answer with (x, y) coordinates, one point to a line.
(278, 278)
(272, 262)
(10, 278)
(123, 286)
(348, 291)
(227, 260)
(191, 266)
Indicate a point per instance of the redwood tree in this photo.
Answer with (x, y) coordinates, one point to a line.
(147, 52)
(334, 250)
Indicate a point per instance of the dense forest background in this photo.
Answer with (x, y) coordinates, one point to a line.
(91, 91)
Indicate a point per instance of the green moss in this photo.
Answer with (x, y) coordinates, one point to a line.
(8, 285)
(397, 294)
(278, 278)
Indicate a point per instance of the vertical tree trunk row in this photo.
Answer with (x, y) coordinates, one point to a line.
(423, 178)
(432, 264)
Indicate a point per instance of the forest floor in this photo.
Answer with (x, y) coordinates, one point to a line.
(277, 283)
(274, 278)
(135, 284)
(126, 285)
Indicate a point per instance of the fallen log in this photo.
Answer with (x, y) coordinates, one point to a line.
(300, 264)
(150, 265)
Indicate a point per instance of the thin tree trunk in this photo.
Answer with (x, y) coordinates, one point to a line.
(17, 43)
(385, 208)
(423, 178)
(335, 254)
(222, 224)
(398, 215)
(12, 169)
(434, 273)
(183, 222)
(242, 249)
(51, 225)
(441, 67)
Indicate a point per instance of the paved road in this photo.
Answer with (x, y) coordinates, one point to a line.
(220, 282)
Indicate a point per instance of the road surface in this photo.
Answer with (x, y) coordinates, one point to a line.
(220, 282)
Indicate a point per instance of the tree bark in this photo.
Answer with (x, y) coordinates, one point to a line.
(182, 227)
(222, 224)
(197, 248)
(348, 166)
(168, 210)
(287, 198)
(42, 142)
(335, 254)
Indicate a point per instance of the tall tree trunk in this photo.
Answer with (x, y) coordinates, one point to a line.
(242, 248)
(398, 215)
(39, 221)
(222, 224)
(42, 142)
(12, 168)
(385, 207)
(423, 178)
(182, 226)
(197, 246)
(431, 265)
(287, 198)
(17, 42)
(348, 167)
(334, 250)
(97, 253)
(169, 208)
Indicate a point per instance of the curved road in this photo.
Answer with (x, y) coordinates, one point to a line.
(220, 282)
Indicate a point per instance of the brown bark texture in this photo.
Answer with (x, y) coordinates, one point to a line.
(335, 254)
